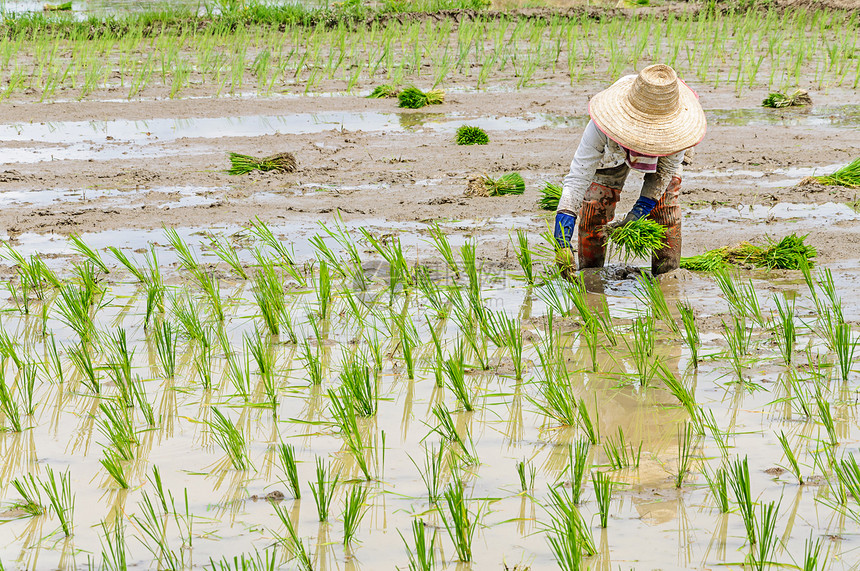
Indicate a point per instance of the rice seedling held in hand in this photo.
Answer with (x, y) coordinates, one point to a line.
(230, 439)
(469, 135)
(323, 489)
(550, 194)
(460, 522)
(280, 162)
(354, 509)
(603, 491)
(421, 556)
(848, 176)
(510, 183)
(413, 98)
(777, 100)
(637, 238)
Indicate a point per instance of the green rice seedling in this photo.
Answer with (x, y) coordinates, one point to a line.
(266, 561)
(787, 254)
(354, 509)
(681, 392)
(133, 269)
(590, 330)
(739, 479)
(556, 296)
(431, 473)
(9, 405)
(572, 535)
(588, 426)
(526, 484)
(27, 386)
(691, 331)
(81, 357)
(344, 414)
(650, 295)
(398, 267)
(230, 439)
(421, 557)
(440, 241)
(738, 339)
(58, 488)
(848, 473)
(638, 238)
(408, 339)
(641, 348)
(113, 464)
(801, 399)
(578, 467)
(601, 316)
(431, 292)
(264, 357)
(298, 550)
(263, 233)
(455, 375)
(766, 534)
(778, 100)
(845, 347)
(31, 499)
(470, 267)
(524, 256)
(413, 98)
(154, 300)
(559, 399)
(116, 557)
(470, 135)
(384, 91)
(312, 361)
(287, 458)
(74, 307)
(118, 428)
(143, 405)
(509, 183)
(203, 366)
(749, 301)
(826, 417)
(360, 386)
(460, 522)
(211, 287)
(848, 176)
(187, 314)
(238, 367)
(187, 260)
(621, 454)
(243, 164)
(165, 344)
(119, 365)
(227, 253)
(718, 484)
(79, 246)
(686, 446)
(603, 491)
(812, 555)
(550, 194)
(448, 432)
(793, 464)
(322, 286)
(323, 489)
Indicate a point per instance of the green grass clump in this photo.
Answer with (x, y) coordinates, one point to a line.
(777, 100)
(849, 176)
(638, 238)
(469, 135)
(384, 91)
(243, 164)
(790, 253)
(414, 98)
(550, 194)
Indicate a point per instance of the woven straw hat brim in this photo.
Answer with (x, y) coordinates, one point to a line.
(655, 134)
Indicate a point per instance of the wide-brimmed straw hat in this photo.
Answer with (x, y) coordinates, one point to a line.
(653, 113)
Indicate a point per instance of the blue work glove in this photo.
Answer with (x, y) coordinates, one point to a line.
(565, 224)
(641, 209)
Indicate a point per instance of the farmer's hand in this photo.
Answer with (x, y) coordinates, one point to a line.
(641, 209)
(565, 225)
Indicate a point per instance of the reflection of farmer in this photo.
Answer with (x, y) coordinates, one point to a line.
(643, 122)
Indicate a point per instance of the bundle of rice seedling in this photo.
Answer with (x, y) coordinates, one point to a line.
(550, 194)
(511, 183)
(243, 164)
(469, 135)
(414, 98)
(849, 176)
(796, 99)
(787, 254)
(382, 91)
(638, 238)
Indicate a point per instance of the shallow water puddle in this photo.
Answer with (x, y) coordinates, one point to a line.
(651, 522)
(164, 196)
(801, 215)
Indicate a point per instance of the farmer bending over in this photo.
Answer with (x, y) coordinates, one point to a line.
(644, 122)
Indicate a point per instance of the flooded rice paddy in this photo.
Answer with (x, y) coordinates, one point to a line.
(397, 357)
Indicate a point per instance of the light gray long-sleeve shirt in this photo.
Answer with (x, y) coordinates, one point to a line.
(597, 151)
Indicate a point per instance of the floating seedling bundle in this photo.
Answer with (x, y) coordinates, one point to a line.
(777, 100)
(243, 164)
(469, 135)
(638, 238)
(414, 98)
(510, 183)
(790, 253)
